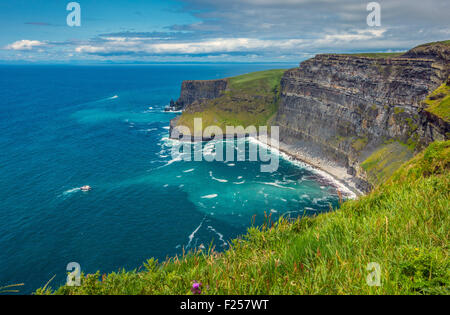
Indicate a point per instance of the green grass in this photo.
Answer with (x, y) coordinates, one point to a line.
(359, 143)
(12, 288)
(402, 225)
(444, 42)
(438, 102)
(381, 164)
(250, 100)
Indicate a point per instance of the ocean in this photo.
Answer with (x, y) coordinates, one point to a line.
(62, 127)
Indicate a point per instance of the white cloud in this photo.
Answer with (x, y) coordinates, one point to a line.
(131, 45)
(24, 44)
(360, 35)
(212, 46)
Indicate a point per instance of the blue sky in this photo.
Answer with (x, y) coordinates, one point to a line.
(211, 30)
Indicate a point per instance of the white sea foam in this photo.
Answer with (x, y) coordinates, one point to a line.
(277, 185)
(191, 236)
(210, 196)
(342, 188)
(188, 171)
(147, 130)
(218, 234)
(176, 159)
(217, 179)
(317, 200)
(70, 191)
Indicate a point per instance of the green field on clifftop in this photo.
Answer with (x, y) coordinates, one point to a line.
(439, 102)
(402, 226)
(250, 100)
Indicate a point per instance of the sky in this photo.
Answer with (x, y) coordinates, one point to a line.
(147, 31)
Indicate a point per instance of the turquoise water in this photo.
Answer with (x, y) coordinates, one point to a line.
(65, 127)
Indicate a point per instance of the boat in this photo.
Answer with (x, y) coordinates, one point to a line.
(86, 188)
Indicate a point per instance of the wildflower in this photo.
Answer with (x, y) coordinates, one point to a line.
(196, 288)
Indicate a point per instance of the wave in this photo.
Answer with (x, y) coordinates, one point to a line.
(210, 196)
(342, 188)
(176, 159)
(147, 130)
(217, 179)
(277, 185)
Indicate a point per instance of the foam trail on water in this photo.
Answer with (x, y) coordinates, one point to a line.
(191, 236)
(220, 235)
(71, 191)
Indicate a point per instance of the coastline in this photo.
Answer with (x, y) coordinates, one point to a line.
(325, 168)
(335, 174)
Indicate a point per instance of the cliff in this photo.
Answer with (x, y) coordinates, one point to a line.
(192, 91)
(343, 108)
(249, 99)
(357, 117)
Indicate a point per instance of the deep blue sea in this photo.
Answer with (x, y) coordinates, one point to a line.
(62, 127)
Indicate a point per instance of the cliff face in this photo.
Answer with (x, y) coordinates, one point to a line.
(359, 118)
(342, 108)
(198, 90)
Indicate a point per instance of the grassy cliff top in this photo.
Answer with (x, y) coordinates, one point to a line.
(250, 99)
(443, 42)
(402, 226)
(438, 102)
(260, 82)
